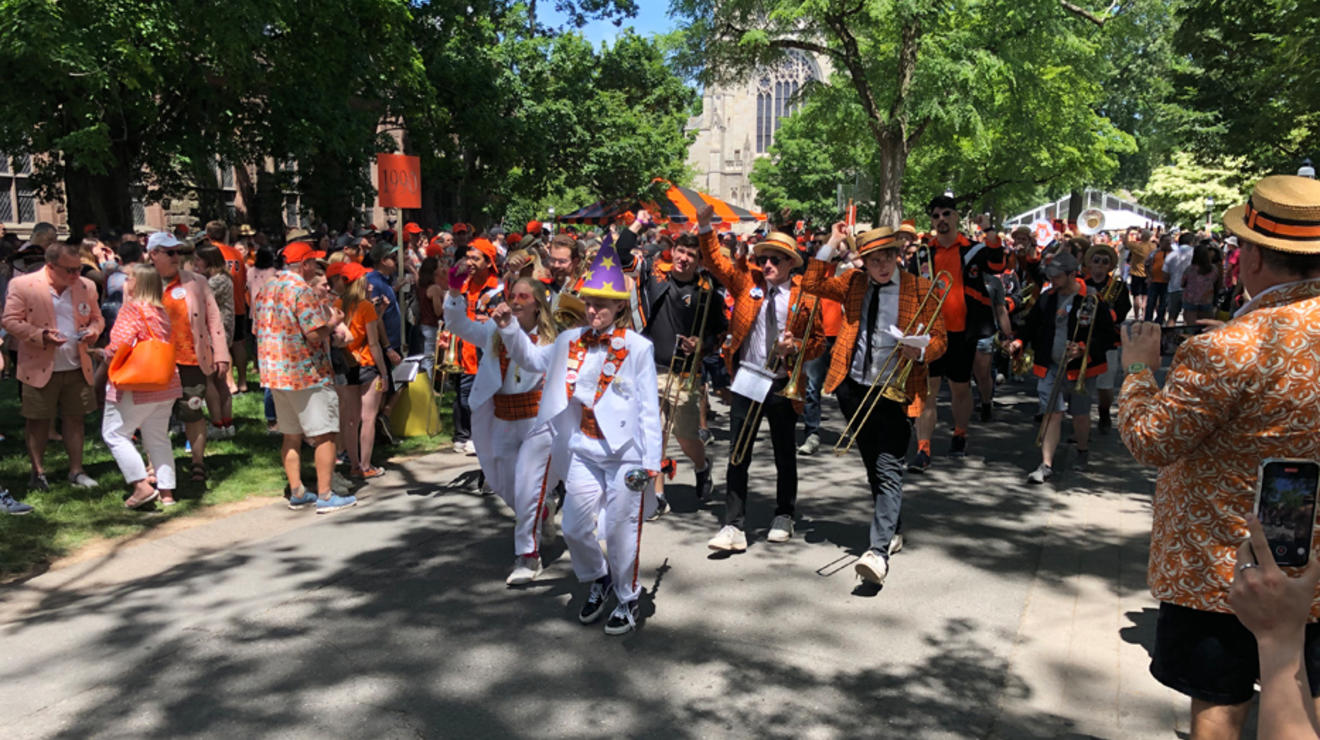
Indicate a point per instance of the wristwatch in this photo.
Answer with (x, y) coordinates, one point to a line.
(1136, 367)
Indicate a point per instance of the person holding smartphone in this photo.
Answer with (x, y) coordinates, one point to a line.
(1234, 397)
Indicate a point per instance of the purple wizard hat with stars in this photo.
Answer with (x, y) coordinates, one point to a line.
(604, 279)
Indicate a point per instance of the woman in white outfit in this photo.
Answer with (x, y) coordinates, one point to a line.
(505, 400)
(602, 402)
(142, 317)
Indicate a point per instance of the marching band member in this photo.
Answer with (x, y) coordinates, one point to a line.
(875, 298)
(603, 405)
(672, 297)
(505, 400)
(762, 296)
(968, 318)
(1060, 333)
(1099, 263)
(480, 291)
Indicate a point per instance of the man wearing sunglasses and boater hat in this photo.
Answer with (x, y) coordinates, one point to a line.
(763, 327)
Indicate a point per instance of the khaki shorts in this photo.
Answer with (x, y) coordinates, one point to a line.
(687, 406)
(311, 412)
(191, 406)
(66, 394)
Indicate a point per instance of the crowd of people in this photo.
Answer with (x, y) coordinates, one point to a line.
(576, 355)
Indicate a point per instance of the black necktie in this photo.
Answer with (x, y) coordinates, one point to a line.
(771, 323)
(872, 313)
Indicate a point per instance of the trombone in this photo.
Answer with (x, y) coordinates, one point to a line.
(450, 364)
(892, 385)
(688, 372)
(743, 444)
(1107, 295)
(1085, 317)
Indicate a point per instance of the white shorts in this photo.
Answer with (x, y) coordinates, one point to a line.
(311, 412)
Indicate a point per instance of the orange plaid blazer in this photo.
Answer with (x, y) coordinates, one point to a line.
(849, 289)
(739, 282)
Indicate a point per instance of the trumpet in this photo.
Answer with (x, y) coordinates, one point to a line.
(892, 385)
(688, 371)
(743, 444)
(570, 311)
(450, 364)
(1085, 317)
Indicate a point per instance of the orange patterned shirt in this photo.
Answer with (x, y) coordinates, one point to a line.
(1234, 396)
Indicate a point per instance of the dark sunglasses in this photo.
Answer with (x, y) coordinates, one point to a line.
(773, 259)
(944, 214)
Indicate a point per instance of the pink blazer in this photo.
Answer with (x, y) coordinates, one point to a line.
(208, 328)
(29, 310)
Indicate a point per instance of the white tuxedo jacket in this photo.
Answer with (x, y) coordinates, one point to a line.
(629, 411)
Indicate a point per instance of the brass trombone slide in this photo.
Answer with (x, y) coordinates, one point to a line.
(743, 444)
(688, 368)
(1084, 314)
(891, 384)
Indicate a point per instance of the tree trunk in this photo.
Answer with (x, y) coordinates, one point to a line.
(889, 180)
(102, 199)
(1075, 203)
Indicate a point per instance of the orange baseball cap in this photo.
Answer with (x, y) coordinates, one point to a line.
(299, 252)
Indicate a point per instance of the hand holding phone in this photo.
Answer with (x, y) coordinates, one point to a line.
(1285, 505)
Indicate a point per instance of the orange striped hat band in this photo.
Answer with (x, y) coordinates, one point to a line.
(1280, 228)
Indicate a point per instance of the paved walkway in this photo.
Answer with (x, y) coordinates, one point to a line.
(1013, 612)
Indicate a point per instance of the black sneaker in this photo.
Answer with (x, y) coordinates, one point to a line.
(704, 484)
(594, 606)
(661, 508)
(1083, 457)
(958, 447)
(987, 411)
(38, 482)
(623, 619)
(1106, 423)
(920, 462)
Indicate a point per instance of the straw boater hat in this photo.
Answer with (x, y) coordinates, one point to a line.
(777, 241)
(604, 279)
(1108, 251)
(876, 239)
(1282, 213)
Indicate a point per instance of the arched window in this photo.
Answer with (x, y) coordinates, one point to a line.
(776, 96)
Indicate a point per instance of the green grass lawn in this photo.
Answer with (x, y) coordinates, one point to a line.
(67, 518)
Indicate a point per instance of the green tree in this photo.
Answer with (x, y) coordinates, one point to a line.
(1179, 189)
(109, 94)
(981, 95)
(1253, 76)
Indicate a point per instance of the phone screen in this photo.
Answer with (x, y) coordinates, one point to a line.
(1285, 505)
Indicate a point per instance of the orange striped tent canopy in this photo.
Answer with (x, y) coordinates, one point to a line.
(679, 205)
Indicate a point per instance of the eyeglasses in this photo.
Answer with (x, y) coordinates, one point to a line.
(1099, 260)
(773, 259)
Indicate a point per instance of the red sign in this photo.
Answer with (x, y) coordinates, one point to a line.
(399, 181)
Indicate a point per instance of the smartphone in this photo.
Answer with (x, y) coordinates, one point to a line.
(1285, 505)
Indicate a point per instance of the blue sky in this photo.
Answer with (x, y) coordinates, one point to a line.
(652, 17)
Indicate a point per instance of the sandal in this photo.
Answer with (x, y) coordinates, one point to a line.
(198, 472)
(133, 502)
(167, 501)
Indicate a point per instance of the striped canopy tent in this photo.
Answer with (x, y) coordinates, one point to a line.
(679, 205)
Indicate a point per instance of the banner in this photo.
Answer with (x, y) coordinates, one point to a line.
(399, 181)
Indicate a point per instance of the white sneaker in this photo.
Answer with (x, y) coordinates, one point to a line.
(469, 449)
(728, 539)
(896, 544)
(781, 529)
(215, 432)
(871, 567)
(810, 445)
(525, 570)
(460, 448)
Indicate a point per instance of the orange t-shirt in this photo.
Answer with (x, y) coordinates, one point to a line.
(1157, 273)
(955, 306)
(237, 273)
(468, 356)
(364, 313)
(176, 304)
(831, 315)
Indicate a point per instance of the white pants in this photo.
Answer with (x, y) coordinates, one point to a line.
(593, 485)
(429, 333)
(534, 484)
(123, 417)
